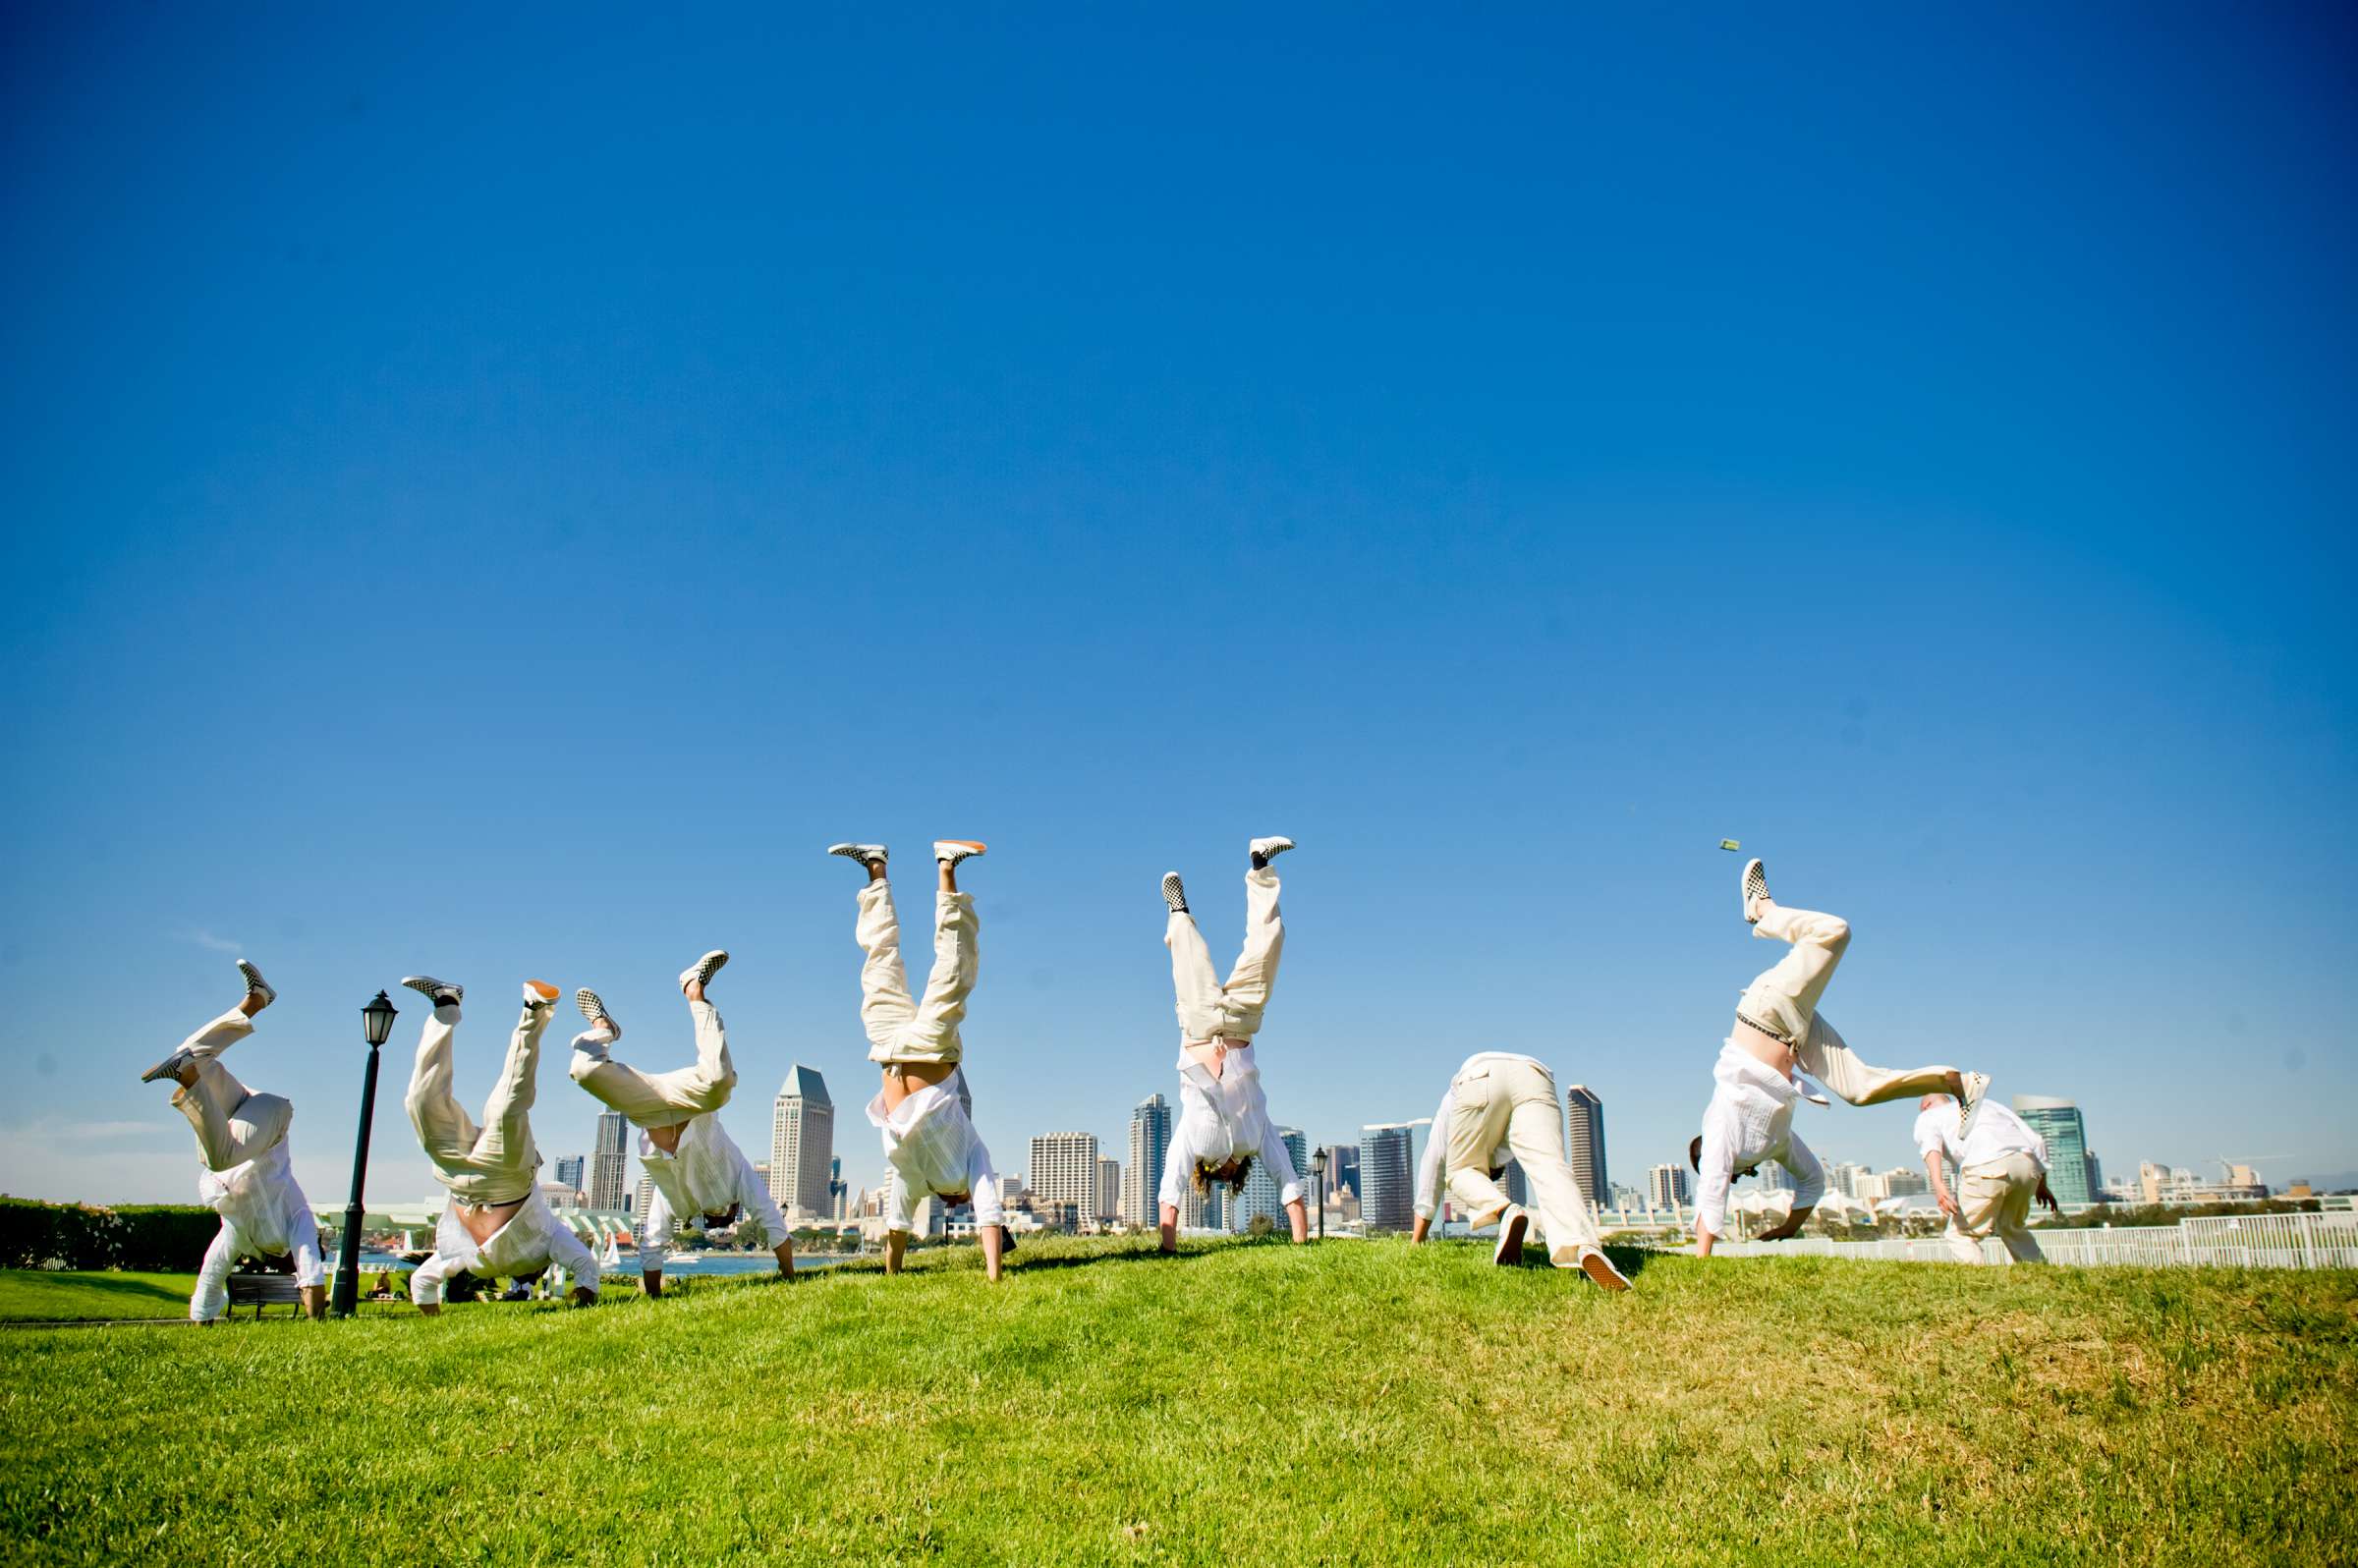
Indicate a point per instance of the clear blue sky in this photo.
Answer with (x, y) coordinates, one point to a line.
(497, 494)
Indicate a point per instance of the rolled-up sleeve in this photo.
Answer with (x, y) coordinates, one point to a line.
(311, 1269)
(982, 1187)
(901, 1205)
(656, 1227)
(1809, 1177)
(1176, 1165)
(210, 1299)
(1719, 1168)
(1281, 1164)
(568, 1253)
(1437, 1145)
(425, 1280)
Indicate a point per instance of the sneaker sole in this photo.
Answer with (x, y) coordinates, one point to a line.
(1510, 1241)
(1600, 1269)
(543, 992)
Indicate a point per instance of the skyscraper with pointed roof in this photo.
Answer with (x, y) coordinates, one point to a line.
(802, 1144)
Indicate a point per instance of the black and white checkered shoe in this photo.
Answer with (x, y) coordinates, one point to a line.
(1174, 892)
(1756, 886)
(1969, 1105)
(442, 993)
(950, 851)
(256, 985)
(864, 854)
(169, 1067)
(594, 1008)
(1261, 851)
(703, 969)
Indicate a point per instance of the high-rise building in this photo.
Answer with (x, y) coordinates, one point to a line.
(569, 1170)
(839, 1195)
(2058, 1122)
(1774, 1178)
(1064, 1170)
(1109, 1187)
(1844, 1177)
(802, 1142)
(1583, 1142)
(643, 1197)
(1666, 1187)
(610, 1161)
(1150, 1143)
(1388, 1172)
(1342, 1170)
(1260, 1194)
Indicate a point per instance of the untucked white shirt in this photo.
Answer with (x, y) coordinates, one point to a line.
(934, 1151)
(1997, 1133)
(1749, 1120)
(532, 1239)
(263, 1214)
(708, 1175)
(1221, 1119)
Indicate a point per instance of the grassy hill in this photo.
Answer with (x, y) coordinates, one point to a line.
(1350, 1403)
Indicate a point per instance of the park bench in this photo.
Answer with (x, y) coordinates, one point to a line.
(263, 1290)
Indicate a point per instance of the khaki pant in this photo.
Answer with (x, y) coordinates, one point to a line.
(899, 1028)
(1783, 1003)
(1515, 1103)
(660, 1099)
(1994, 1200)
(492, 1163)
(1207, 1009)
(233, 1123)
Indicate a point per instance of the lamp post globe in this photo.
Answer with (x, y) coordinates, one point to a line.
(376, 1025)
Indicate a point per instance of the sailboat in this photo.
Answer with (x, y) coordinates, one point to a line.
(611, 1258)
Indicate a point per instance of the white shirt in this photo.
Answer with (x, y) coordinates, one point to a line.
(1749, 1120)
(1221, 1119)
(934, 1149)
(1997, 1133)
(532, 1239)
(263, 1214)
(708, 1175)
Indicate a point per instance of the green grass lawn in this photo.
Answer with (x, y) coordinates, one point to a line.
(1352, 1403)
(28, 1294)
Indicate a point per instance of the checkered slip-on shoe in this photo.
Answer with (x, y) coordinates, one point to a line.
(864, 854)
(1174, 892)
(256, 985)
(1261, 851)
(1977, 1090)
(1756, 886)
(440, 993)
(950, 851)
(169, 1067)
(703, 969)
(594, 1008)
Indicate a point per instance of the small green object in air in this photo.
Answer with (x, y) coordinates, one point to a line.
(1729, 844)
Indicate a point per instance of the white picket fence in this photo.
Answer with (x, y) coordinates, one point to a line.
(2228, 1240)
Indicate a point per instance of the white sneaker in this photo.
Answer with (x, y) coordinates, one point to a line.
(950, 851)
(1600, 1269)
(442, 993)
(1511, 1228)
(703, 969)
(864, 854)
(169, 1067)
(1174, 892)
(594, 1008)
(256, 985)
(1754, 886)
(1977, 1090)
(1261, 851)
(541, 994)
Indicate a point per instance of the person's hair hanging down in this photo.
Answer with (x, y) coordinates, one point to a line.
(1206, 1173)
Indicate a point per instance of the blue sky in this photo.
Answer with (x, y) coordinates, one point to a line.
(497, 495)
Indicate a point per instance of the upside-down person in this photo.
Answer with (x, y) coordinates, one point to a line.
(702, 1181)
(929, 1140)
(242, 1141)
(497, 1222)
(1503, 1107)
(1223, 1116)
(1779, 1034)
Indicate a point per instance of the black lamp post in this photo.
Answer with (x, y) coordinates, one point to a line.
(1317, 1171)
(376, 1022)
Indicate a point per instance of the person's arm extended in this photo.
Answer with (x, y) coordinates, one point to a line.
(1716, 1169)
(1808, 1186)
(1173, 1191)
(210, 1299)
(656, 1229)
(1428, 1169)
(425, 1284)
(567, 1252)
(1937, 1173)
(753, 1197)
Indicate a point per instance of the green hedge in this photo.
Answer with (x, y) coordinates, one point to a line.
(155, 1238)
